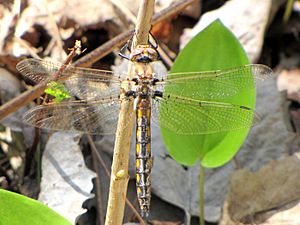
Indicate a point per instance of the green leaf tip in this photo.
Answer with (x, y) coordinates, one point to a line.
(16, 209)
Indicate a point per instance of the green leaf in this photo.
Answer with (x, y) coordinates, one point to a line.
(17, 209)
(213, 48)
(58, 91)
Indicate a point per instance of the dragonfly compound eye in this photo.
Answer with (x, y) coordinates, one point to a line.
(130, 93)
(144, 59)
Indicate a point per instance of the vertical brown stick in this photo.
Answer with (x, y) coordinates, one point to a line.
(119, 174)
(143, 24)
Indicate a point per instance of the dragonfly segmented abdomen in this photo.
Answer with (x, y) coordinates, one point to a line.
(143, 155)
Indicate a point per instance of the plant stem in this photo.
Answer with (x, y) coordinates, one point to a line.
(118, 184)
(288, 10)
(201, 194)
(119, 171)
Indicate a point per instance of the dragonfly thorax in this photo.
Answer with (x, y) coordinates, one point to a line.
(144, 90)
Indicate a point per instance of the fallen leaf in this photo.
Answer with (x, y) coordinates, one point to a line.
(272, 187)
(162, 30)
(66, 181)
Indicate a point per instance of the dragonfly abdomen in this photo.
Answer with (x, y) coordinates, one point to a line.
(143, 155)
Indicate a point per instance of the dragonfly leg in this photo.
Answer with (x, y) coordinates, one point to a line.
(157, 94)
(153, 44)
(126, 47)
(122, 51)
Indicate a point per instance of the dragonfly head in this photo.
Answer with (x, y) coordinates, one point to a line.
(144, 54)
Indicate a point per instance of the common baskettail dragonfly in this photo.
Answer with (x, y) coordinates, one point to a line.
(95, 103)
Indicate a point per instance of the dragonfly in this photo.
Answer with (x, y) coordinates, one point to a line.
(186, 103)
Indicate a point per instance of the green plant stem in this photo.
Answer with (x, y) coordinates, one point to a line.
(201, 195)
(288, 10)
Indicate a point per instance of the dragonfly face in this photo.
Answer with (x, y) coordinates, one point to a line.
(191, 103)
(144, 54)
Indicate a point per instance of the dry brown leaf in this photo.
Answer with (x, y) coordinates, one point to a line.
(162, 30)
(275, 185)
(66, 181)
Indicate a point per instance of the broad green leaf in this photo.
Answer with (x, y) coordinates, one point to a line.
(58, 91)
(213, 48)
(17, 209)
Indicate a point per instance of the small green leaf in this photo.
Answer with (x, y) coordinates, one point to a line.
(16, 209)
(58, 91)
(213, 48)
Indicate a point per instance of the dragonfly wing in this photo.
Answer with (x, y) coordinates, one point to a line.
(83, 83)
(90, 88)
(214, 85)
(193, 117)
(98, 117)
(37, 70)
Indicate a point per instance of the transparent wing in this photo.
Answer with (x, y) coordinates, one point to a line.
(214, 85)
(98, 117)
(80, 82)
(193, 117)
(40, 70)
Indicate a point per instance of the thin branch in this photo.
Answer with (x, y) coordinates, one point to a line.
(97, 182)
